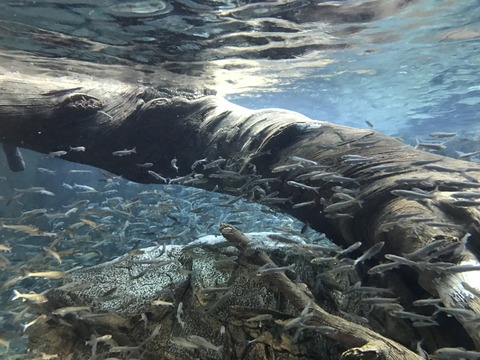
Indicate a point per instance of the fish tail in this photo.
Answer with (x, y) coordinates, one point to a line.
(17, 295)
(418, 143)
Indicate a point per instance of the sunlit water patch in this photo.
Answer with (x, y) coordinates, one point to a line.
(140, 9)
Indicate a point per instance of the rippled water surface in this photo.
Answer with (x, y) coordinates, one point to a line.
(402, 65)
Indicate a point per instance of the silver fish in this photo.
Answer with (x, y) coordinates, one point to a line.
(57, 153)
(124, 152)
(441, 134)
(430, 146)
(77, 148)
(158, 176)
(374, 250)
(412, 195)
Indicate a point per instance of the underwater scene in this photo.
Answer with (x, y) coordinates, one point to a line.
(218, 179)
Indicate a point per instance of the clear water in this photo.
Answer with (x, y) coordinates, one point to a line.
(408, 67)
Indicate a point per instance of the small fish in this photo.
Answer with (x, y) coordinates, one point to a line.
(197, 163)
(412, 195)
(302, 186)
(45, 192)
(412, 316)
(153, 335)
(32, 189)
(47, 274)
(145, 165)
(71, 211)
(322, 260)
(374, 250)
(341, 179)
(420, 351)
(46, 171)
(83, 187)
(80, 171)
(463, 155)
(124, 152)
(462, 268)
(426, 302)
(33, 322)
(430, 146)
(182, 342)
(90, 223)
(440, 134)
(261, 317)
(32, 213)
(335, 207)
(454, 353)
(57, 153)
(401, 260)
(283, 239)
(215, 290)
(107, 295)
(162, 303)
(33, 297)
(339, 216)
(350, 249)
(76, 204)
(158, 176)
(4, 262)
(288, 167)
(204, 343)
(369, 123)
(352, 158)
(465, 203)
(53, 253)
(369, 289)
(466, 195)
(379, 269)
(180, 315)
(214, 163)
(303, 160)
(5, 344)
(77, 148)
(380, 300)
(28, 229)
(123, 349)
(70, 310)
(269, 269)
(5, 248)
(12, 281)
(427, 249)
(173, 164)
(461, 313)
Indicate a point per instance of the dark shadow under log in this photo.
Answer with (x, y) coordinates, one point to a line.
(48, 115)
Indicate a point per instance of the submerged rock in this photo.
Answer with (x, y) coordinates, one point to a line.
(201, 300)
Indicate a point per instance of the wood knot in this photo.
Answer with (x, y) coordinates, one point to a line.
(81, 103)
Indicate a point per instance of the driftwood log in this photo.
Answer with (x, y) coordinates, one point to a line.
(180, 132)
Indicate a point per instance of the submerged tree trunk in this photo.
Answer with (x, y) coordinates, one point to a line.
(402, 196)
